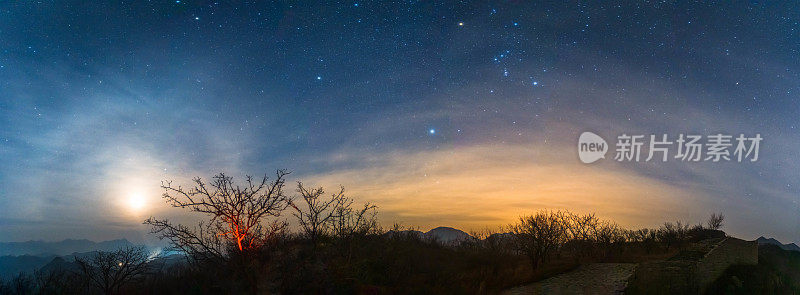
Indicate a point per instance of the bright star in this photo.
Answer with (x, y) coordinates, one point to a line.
(319, 77)
(432, 131)
(460, 24)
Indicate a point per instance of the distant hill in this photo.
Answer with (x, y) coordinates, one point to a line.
(65, 247)
(61, 264)
(447, 235)
(12, 265)
(771, 241)
(443, 235)
(16, 257)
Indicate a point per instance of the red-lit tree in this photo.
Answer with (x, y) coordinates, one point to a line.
(237, 214)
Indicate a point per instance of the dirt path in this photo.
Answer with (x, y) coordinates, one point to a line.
(595, 278)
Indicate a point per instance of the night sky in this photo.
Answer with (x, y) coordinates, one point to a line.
(462, 114)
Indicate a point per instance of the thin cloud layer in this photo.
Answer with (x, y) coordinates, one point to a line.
(490, 185)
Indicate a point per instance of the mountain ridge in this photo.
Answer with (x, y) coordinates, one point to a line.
(448, 235)
(60, 248)
(772, 241)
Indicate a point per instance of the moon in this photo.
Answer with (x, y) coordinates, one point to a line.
(136, 202)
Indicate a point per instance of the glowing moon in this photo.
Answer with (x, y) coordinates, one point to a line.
(136, 202)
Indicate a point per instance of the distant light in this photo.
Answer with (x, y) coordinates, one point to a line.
(460, 24)
(197, 18)
(516, 24)
(355, 4)
(432, 131)
(319, 77)
(535, 83)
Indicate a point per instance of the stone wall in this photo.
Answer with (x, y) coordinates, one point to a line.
(730, 251)
(662, 277)
(692, 270)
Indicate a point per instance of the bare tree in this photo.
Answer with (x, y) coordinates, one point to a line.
(236, 214)
(609, 237)
(580, 232)
(317, 214)
(201, 242)
(644, 236)
(607, 233)
(671, 234)
(348, 222)
(581, 227)
(538, 235)
(715, 221)
(109, 271)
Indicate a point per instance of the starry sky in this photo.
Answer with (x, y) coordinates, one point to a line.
(462, 114)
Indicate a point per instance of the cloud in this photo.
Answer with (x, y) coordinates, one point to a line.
(490, 185)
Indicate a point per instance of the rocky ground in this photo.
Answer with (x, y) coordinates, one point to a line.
(595, 278)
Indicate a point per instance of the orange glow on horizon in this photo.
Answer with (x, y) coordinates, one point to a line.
(482, 186)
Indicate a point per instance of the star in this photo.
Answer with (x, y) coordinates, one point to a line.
(431, 131)
(460, 23)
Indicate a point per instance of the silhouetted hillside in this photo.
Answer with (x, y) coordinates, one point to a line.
(772, 241)
(12, 265)
(366, 259)
(60, 264)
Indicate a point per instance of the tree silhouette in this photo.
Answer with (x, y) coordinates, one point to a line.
(715, 221)
(538, 235)
(236, 213)
(317, 215)
(109, 271)
(351, 222)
